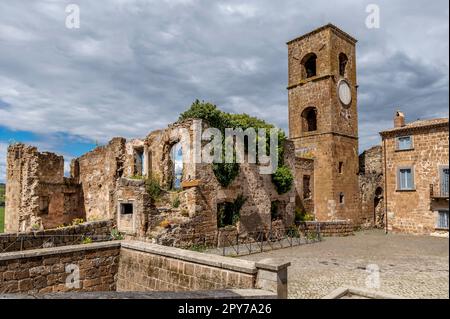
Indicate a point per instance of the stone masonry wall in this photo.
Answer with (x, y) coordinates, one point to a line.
(73, 235)
(335, 141)
(329, 229)
(371, 184)
(142, 271)
(37, 193)
(412, 211)
(44, 270)
(98, 171)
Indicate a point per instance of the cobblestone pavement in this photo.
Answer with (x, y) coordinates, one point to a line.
(410, 266)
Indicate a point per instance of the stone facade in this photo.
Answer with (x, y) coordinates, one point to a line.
(321, 127)
(371, 184)
(416, 190)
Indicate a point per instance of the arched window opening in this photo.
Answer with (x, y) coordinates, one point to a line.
(309, 65)
(343, 60)
(310, 119)
(176, 154)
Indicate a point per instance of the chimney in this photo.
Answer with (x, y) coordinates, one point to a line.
(399, 119)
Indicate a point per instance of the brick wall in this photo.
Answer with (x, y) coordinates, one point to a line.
(98, 231)
(44, 270)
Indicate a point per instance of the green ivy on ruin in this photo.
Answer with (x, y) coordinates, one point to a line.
(227, 172)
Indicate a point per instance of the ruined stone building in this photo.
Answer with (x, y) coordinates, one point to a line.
(416, 174)
(371, 183)
(323, 119)
(109, 183)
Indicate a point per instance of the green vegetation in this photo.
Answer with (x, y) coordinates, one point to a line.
(176, 202)
(283, 179)
(86, 240)
(302, 216)
(77, 221)
(2, 194)
(198, 247)
(227, 172)
(153, 188)
(2, 207)
(116, 235)
(2, 219)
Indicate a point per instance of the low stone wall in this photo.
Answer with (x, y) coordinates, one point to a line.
(134, 266)
(149, 267)
(73, 235)
(339, 228)
(47, 270)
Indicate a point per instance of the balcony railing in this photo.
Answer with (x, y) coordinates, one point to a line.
(443, 191)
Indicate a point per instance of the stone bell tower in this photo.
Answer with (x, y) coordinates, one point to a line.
(323, 119)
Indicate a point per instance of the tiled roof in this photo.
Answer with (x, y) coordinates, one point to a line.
(418, 124)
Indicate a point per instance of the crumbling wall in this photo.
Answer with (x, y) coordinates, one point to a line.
(371, 184)
(304, 184)
(98, 172)
(37, 194)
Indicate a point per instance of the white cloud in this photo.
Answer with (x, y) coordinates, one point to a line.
(134, 65)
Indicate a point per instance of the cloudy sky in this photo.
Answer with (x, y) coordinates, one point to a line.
(134, 65)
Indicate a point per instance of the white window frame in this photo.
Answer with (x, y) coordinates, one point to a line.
(397, 141)
(413, 186)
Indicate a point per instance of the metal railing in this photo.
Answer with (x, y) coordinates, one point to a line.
(247, 243)
(442, 193)
(31, 241)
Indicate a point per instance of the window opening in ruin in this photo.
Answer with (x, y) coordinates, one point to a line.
(177, 162)
(138, 162)
(341, 167)
(341, 198)
(17, 154)
(343, 60)
(306, 187)
(228, 213)
(442, 219)
(309, 116)
(44, 202)
(309, 65)
(126, 208)
(275, 210)
(225, 214)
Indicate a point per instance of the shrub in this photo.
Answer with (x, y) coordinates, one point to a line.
(137, 177)
(176, 202)
(86, 240)
(302, 216)
(198, 247)
(293, 232)
(77, 221)
(283, 179)
(225, 173)
(116, 235)
(153, 187)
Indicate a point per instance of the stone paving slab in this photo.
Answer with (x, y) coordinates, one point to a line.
(410, 266)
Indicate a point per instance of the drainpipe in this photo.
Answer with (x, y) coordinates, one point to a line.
(385, 187)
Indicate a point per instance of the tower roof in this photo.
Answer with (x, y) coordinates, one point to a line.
(327, 26)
